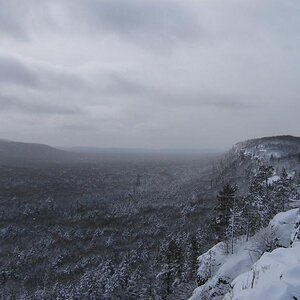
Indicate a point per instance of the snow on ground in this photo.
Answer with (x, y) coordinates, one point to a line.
(275, 276)
(273, 179)
(219, 269)
(283, 224)
(211, 261)
(223, 269)
(295, 236)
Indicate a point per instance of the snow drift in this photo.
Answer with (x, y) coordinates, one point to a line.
(252, 271)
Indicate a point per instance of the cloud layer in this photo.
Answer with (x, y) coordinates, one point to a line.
(153, 74)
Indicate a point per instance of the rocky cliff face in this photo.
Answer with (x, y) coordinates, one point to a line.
(244, 159)
(268, 148)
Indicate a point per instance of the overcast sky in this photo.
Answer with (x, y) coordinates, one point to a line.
(149, 73)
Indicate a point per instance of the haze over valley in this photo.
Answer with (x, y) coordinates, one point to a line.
(149, 150)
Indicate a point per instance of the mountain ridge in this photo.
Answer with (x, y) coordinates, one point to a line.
(266, 148)
(15, 153)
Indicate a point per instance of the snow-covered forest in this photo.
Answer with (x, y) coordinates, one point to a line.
(257, 256)
(119, 228)
(149, 150)
(138, 230)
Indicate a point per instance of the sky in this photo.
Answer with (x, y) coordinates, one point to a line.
(192, 74)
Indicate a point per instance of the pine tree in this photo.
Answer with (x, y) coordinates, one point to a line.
(107, 272)
(250, 216)
(170, 275)
(294, 199)
(259, 207)
(191, 258)
(282, 191)
(260, 183)
(226, 198)
(235, 226)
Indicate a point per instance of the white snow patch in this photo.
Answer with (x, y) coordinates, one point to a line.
(283, 225)
(220, 269)
(275, 276)
(225, 268)
(273, 179)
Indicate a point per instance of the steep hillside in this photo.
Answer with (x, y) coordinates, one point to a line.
(244, 159)
(268, 148)
(265, 263)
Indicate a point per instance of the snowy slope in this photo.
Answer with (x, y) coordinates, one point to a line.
(221, 271)
(275, 276)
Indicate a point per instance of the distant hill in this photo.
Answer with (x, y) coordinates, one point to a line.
(277, 150)
(17, 153)
(270, 147)
(20, 154)
(244, 158)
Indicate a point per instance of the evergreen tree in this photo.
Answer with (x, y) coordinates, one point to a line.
(250, 216)
(107, 272)
(294, 199)
(259, 207)
(226, 198)
(191, 258)
(170, 275)
(260, 183)
(282, 191)
(235, 226)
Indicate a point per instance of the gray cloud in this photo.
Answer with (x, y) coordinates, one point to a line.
(118, 84)
(149, 73)
(82, 127)
(35, 107)
(162, 20)
(205, 99)
(14, 71)
(59, 79)
(10, 24)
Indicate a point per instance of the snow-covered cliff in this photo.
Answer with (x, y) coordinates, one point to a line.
(265, 267)
(244, 159)
(267, 148)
